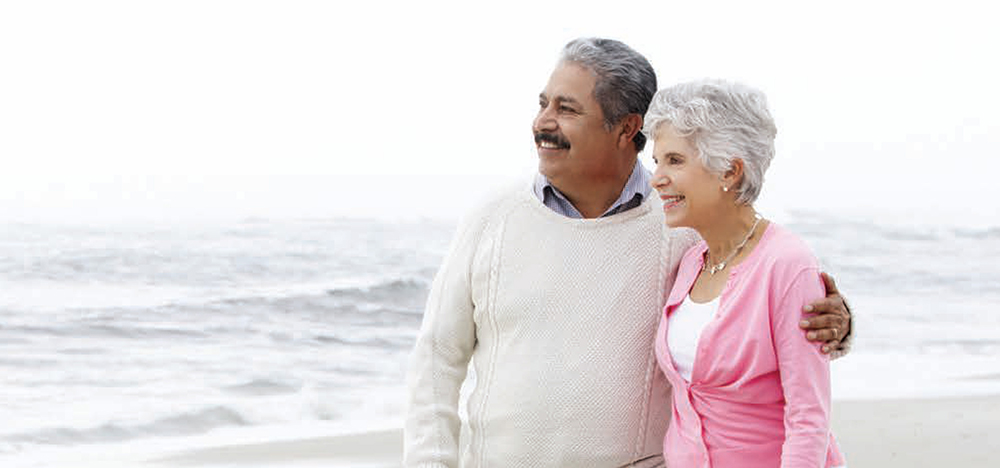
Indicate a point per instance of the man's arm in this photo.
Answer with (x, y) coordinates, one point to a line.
(440, 360)
(829, 321)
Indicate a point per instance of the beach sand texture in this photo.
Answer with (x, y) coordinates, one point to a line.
(916, 433)
(376, 449)
(883, 433)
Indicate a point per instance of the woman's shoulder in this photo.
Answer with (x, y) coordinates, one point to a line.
(789, 265)
(784, 251)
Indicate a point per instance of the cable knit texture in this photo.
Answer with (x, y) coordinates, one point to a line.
(558, 317)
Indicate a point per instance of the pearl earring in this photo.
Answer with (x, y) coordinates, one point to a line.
(725, 189)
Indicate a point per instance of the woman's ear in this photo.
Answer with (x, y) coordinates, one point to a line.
(732, 178)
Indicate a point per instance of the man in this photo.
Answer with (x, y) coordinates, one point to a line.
(555, 293)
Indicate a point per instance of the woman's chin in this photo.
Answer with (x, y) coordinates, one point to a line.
(675, 222)
(673, 218)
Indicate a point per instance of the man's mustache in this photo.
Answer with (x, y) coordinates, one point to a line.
(553, 138)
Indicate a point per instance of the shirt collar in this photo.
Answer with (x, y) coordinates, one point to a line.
(636, 188)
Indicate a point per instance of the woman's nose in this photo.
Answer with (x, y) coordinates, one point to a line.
(658, 179)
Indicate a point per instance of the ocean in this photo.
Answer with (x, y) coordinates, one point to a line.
(143, 335)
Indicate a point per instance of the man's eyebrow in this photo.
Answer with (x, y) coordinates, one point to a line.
(568, 99)
(565, 99)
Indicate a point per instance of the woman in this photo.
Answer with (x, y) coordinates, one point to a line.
(748, 389)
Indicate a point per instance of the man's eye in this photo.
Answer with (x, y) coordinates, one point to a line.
(567, 109)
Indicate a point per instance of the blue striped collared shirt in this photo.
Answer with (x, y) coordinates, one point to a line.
(636, 188)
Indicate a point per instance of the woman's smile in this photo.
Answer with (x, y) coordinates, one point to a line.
(671, 201)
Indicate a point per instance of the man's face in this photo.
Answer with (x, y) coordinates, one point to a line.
(573, 144)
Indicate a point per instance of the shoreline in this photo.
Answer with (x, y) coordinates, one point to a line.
(954, 431)
(378, 448)
(949, 431)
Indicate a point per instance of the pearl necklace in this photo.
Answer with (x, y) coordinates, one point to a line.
(722, 265)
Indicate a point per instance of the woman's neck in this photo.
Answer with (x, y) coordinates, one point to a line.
(728, 230)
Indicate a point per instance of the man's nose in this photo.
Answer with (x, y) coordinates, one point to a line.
(545, 120)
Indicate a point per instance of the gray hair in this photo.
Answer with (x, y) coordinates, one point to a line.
(625, 79)
(724, 121)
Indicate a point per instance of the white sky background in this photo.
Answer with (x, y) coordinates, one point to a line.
(206, 109)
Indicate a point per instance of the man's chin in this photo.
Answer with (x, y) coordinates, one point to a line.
(549, 166)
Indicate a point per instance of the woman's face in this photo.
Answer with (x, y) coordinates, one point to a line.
(691, 194)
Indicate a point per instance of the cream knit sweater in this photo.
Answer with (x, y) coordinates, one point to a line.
(558, 316)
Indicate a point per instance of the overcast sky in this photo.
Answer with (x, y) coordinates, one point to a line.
(119, 109)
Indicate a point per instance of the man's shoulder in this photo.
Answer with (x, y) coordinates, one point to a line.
(685, 238)
(488, 204)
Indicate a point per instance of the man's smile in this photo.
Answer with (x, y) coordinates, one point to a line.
(550, 141)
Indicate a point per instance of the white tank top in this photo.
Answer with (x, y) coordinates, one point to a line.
(684, 328)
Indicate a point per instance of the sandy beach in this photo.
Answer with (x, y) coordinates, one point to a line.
(376, 449)
(883, 433)
(911, 433)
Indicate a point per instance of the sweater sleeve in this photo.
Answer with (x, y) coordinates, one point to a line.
(440, 359)
(805, 376)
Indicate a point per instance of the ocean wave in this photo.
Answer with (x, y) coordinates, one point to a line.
(900, 234)
(888, 226)
(387, 291)
(391, 289)
(25, 297)
(191, 423)
(982, 347)
(257, 402)
(959, 218)
(979, 234)
(367, 342)
(391, 294)
(104, 331)
(263, 387)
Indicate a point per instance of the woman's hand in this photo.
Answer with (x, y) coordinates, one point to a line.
(827, 320)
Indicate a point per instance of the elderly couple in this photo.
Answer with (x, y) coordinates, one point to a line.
(617, 318)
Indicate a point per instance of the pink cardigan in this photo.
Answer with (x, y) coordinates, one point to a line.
(759, 394)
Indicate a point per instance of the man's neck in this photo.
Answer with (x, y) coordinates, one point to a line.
(593, 197)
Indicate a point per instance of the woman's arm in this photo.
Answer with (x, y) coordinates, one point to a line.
(805, 376)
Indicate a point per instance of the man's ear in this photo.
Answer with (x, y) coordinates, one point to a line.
(630, 125)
